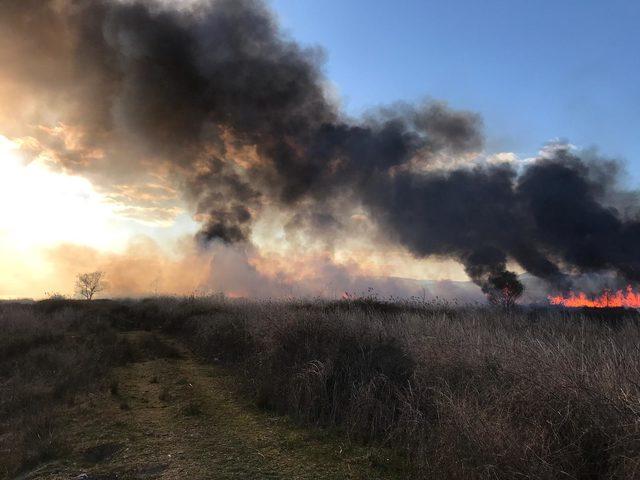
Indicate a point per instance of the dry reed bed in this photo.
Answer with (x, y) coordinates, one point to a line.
(460, 392)
(463, 393)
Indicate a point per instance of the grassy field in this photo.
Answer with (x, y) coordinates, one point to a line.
(363, 389)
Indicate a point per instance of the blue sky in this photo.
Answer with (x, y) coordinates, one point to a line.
(535, 70)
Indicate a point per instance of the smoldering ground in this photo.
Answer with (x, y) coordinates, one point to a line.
(238, 115)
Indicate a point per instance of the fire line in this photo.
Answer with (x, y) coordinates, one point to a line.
(620, 298)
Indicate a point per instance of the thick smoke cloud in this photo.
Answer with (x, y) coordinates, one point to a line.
(239, 115)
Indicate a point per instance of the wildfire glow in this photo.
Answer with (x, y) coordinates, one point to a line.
(620, 298)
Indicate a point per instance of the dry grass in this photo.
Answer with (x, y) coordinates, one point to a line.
(463, 393)
(459, 392)
(49, 354)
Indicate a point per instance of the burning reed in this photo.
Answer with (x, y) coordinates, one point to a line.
(628, 298)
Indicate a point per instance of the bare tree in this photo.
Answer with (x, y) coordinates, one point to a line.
(505, 289)
(505, 297)
(88, 284)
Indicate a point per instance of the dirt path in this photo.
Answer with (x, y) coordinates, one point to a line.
(177, 418)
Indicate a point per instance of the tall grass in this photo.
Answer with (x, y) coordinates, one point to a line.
(50, 353)
(459, 392)
(463, 393)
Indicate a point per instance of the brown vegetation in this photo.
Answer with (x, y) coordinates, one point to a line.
(464, 393)
(459, 392)
(50, 353)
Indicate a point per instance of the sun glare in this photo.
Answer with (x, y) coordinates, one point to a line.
(42, 207)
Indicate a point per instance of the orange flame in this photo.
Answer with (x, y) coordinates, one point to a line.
(627, 298)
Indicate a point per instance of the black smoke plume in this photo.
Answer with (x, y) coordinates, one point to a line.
(239, 113)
